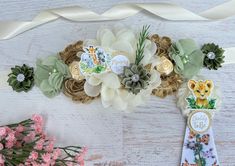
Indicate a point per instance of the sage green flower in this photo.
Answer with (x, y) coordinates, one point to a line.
(187, 56)
(135, 78)
(50, 74)
(213, 56)
(21, 78)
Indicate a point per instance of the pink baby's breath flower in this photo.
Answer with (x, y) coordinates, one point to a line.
(11, 137)
(37, 128)
(46, 157)
(18, 144)
(52, 162)
(8, 129)
(50, 146)
(37, 119)
(39, 144)
(56, 153)
(84, 150)
(20, 128)
(33, 155)
(79, 158)
(3, 131)
(32, 135)
(1, 146)
(35, 163)
(2, 161)
(9, 144)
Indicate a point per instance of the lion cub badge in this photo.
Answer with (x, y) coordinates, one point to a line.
(201, 91)
(199, 147)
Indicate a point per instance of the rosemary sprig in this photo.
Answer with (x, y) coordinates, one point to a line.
(140, 45)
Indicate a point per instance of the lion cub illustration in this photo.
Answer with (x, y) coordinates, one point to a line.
(201, 90)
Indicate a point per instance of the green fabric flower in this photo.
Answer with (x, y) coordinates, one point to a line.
(213, 56)
(50, 74)
(135, 78)
(187, 56)
(21, 78)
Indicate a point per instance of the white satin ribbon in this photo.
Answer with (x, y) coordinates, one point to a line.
(9, 29)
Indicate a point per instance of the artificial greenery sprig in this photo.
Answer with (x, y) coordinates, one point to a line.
(140, 45)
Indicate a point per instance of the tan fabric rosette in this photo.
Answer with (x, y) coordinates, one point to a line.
(171, 81)
(74, 87)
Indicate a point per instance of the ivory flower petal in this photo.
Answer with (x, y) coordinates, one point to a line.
(105, 37)
(111, 80)
(149, 51)
(107, 93)
(119, 103)
(94, 81)
(125, 46)
(127, 35)
(155, 79)
(90, 90)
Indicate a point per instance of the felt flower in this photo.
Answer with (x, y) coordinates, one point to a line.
(135, 78)
(187, 56)
(121, 41)
(185, 92)
(50, 74)
(213, 56)
(21, 78)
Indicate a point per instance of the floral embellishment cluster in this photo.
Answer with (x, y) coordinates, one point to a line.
(25, 143)
(120, 66)
(21, 78)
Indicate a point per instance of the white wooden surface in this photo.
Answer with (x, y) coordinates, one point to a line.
(153, 134)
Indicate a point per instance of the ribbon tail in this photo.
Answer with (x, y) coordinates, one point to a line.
(199, 149)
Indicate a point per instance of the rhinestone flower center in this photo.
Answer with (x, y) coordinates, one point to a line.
(20, 77)
(135, 78)
(211, 55)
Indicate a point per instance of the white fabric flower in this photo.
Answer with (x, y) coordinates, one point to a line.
(184, 92)
(115, 42)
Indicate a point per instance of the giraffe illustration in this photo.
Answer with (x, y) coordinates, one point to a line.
(92, 52)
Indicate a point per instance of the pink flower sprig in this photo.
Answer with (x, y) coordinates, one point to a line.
(26, 144)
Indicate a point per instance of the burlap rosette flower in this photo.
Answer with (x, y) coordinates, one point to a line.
(171, 81)
(74, 87)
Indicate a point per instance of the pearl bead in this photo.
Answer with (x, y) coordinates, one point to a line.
(135, 78)
(20, 77)
(211, 55)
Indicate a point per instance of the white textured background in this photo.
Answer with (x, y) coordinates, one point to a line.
(153, 134)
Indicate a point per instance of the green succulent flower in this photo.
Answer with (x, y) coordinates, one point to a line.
(187, 56)
(213, 56)
(50, 74)
(21, 78)
(135, 78)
